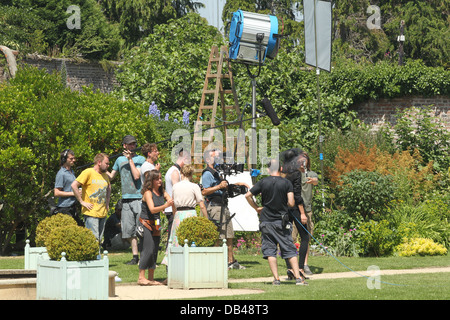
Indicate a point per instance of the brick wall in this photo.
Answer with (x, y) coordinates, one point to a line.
(79, 73)
(382, 111)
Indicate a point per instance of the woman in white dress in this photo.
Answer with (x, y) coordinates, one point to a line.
(186, 195)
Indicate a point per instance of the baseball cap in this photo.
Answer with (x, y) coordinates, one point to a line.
(128, 139)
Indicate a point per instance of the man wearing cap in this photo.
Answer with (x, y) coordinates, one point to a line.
(128, 166)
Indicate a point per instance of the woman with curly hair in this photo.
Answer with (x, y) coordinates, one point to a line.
(154, 200)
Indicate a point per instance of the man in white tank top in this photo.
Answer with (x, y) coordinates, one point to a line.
(173, 175)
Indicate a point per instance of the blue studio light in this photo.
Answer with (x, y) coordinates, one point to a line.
(253, 37)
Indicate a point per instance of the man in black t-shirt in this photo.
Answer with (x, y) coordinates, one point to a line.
(276, 195)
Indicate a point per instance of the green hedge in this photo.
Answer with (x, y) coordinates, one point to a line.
(40, 117)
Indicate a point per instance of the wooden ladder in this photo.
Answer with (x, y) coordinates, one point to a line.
(218, 84)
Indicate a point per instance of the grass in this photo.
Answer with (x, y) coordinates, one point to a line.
(413, 287)
(433, 286)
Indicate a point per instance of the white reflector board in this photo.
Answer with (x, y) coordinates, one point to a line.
(246, 218)
(317, 17)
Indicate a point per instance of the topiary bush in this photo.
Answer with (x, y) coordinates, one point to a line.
(199, 230)
(47, 226)
(79, 244)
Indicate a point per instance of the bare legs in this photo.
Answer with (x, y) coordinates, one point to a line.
(150, 281)
(274, 268)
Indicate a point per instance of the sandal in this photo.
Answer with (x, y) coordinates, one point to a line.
(301, 282)
(290, 275)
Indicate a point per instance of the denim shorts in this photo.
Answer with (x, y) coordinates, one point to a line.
(96, 225)
(131, 210)
(272, 235)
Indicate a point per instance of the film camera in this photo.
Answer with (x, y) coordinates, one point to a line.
(227, 169)
(234, 190)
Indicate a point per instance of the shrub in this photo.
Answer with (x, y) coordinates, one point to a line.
(412, 179)
(38, 106)
(426, 220)
(420, 246)
(339, 232)
(378, 238)
(47, 226)
(359, 140)
(199, 230)
(419, 128)
(365, 192)
(348, 160)
(79, 244)
(247, 241)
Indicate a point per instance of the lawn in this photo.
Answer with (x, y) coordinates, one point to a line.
(432, 286)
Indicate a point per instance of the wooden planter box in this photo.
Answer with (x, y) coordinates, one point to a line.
(197, 267)
(32, 256)
(72, 280)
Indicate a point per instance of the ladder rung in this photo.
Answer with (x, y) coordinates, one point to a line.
(206, 122)
(206, 107)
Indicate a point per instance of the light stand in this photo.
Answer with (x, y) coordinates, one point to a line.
(253, 37)
(318, 22)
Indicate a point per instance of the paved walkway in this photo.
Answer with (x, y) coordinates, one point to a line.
(135, 292)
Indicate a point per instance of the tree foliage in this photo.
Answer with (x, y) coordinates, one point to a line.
(95, 38)
(138, 18)
(169, 66)
(426, 30)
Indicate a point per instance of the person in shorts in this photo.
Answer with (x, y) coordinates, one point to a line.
(128, 166)
(277, 196)
(213, 191)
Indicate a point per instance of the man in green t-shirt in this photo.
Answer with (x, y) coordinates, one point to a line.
(309, 180)
(128, 166)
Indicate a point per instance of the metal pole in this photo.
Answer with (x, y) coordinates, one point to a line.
(318, 106)
(401, 39)
(253, 157)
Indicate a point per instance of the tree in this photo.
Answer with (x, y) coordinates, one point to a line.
(169, 66)
(93, 37)
(138, 18)
(427, 30)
